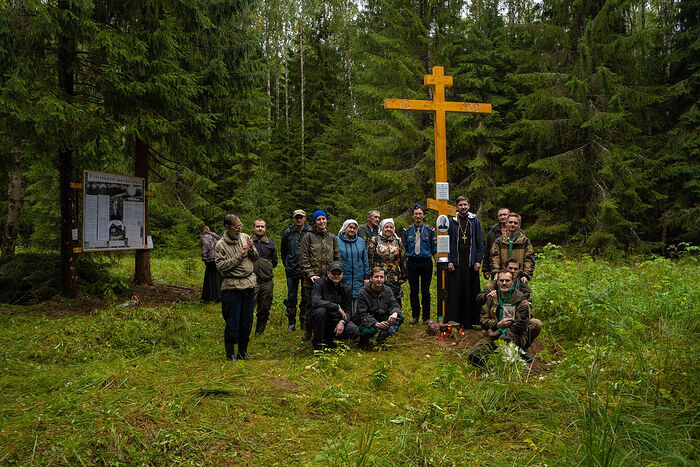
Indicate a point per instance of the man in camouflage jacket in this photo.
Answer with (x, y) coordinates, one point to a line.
(317, 250)
(513, 244)
(497, 325)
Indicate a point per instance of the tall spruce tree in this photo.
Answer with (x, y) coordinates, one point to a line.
(476, 143)
(178, 78)
(678, 211)
(578, 119)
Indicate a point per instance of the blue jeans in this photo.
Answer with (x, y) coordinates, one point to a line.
(237, 310)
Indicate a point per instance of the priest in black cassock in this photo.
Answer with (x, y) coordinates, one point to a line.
(466, 254)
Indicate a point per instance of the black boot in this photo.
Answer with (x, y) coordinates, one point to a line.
(243, 351)
(291, 315)
(230, 351)
(260, 327)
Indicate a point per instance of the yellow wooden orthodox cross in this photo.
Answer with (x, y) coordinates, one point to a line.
(439, 82)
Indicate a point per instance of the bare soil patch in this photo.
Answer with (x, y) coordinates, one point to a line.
(150, 295)
(285, 384)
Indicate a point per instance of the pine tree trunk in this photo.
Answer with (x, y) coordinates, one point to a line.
(286, 90)
(142, 265)
(668, 36)
(348, 56)
(268, 56)
(666, 18)
(277, 94)
(269, 104)
(301, 64)
(14, 206)
(66, 62)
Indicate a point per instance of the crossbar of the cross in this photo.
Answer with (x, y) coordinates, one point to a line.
(414, 104)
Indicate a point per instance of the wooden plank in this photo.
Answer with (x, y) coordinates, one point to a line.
(468, 107)
(434, 205)
(408, 104)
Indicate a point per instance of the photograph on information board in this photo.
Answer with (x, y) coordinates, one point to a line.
(113, 212)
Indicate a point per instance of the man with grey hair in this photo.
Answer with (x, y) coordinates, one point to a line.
(235, 255)
(505, 316)
(371, 228)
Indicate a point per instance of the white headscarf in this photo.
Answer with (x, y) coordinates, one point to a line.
(387, 221)
(345, 224)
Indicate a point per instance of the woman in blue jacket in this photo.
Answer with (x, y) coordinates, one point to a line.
(354, 256)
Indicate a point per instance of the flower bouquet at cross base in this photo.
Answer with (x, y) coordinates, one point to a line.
(444, 330)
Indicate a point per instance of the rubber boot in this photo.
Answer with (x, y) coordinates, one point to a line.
(305, 327)
(243, 351)
(260, 327)
(230, 351)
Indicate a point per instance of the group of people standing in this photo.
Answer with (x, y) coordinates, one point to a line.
(351, 282)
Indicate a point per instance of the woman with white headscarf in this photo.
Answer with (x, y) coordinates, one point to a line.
(387, 252)
(354, 255)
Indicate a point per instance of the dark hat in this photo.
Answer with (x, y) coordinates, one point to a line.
(335, 266)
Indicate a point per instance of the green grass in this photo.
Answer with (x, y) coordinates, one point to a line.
(150, 385)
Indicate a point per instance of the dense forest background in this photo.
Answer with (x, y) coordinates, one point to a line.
(263, 106)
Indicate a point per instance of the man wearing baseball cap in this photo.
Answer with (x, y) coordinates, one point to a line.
(291, 238)
(331, 302)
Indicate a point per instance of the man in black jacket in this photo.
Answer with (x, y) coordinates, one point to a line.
(377, 309)
(264, 273)
(291, 238)
(331, 301)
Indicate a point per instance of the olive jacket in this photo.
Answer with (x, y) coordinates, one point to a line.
(236, 268)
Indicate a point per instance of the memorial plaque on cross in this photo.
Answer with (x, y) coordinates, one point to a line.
(439, 82)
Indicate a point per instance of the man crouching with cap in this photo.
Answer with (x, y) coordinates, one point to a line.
(331, 301)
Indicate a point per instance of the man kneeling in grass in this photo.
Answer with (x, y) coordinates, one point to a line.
(331, 305)
(491, 288)
(506, 317)
(378, 312)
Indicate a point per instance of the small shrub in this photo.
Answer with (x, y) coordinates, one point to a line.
(31, 277)
(379, 376)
